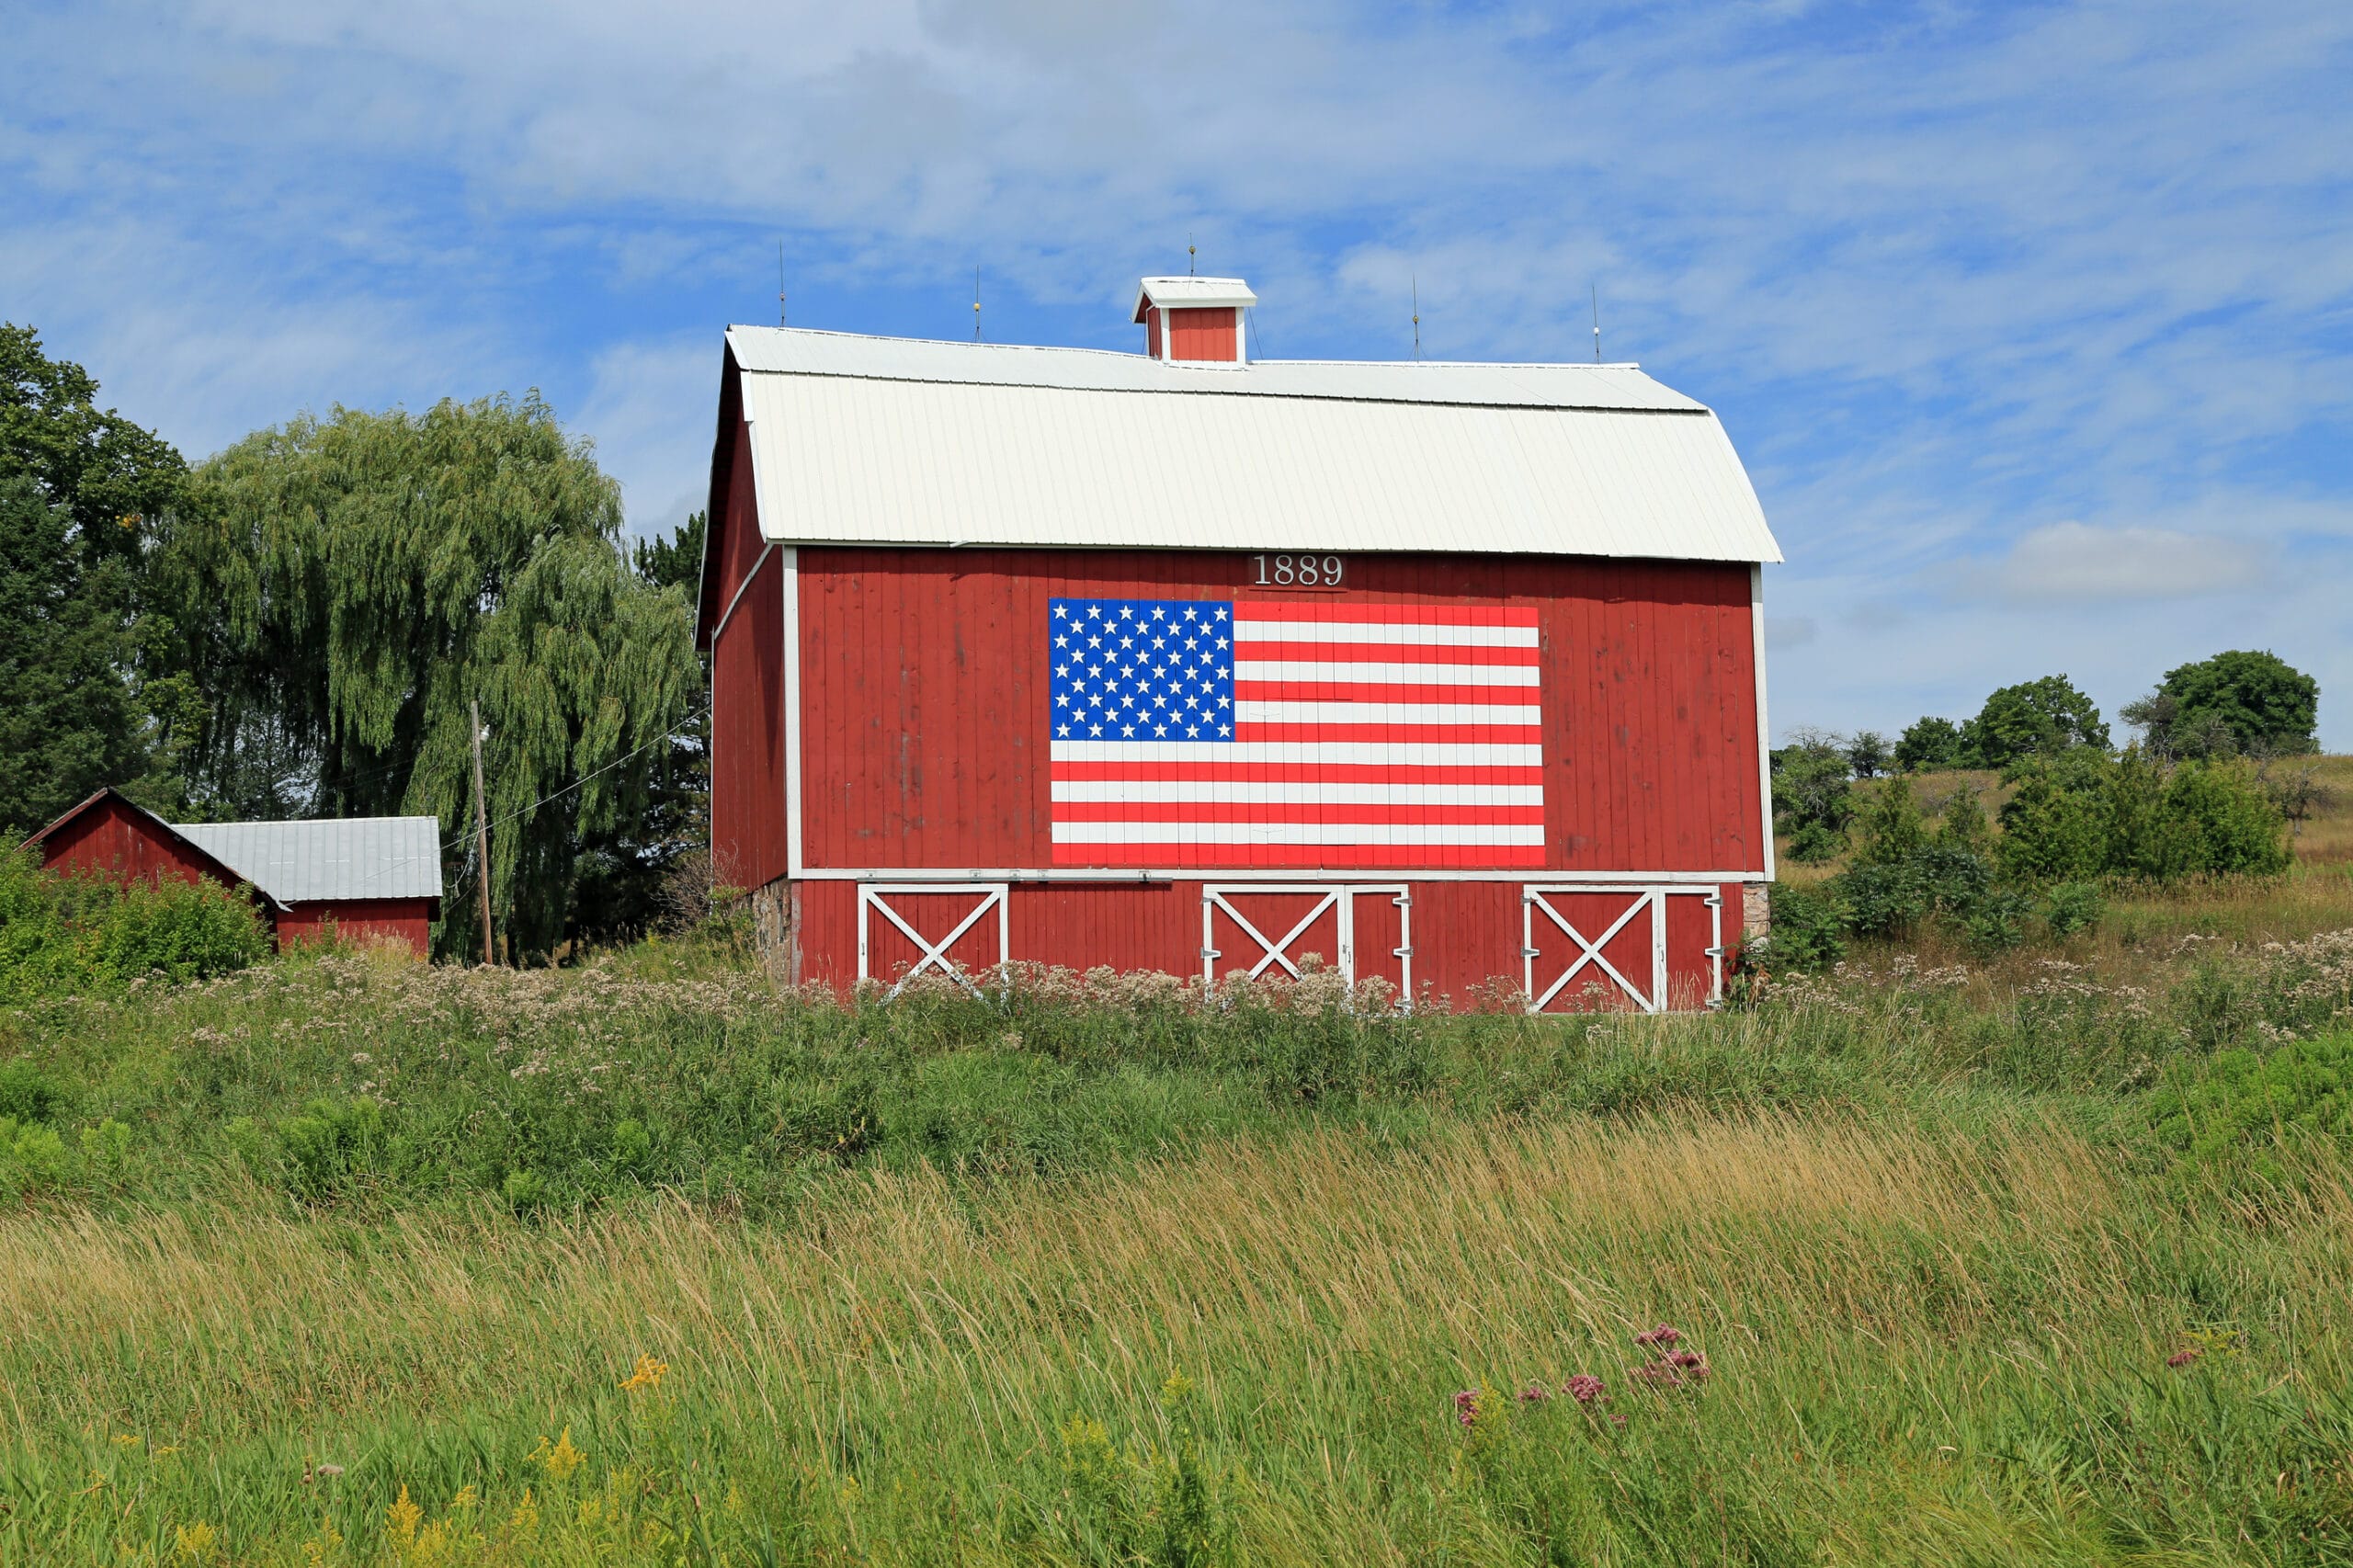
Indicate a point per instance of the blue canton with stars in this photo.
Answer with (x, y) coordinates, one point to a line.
(1140, 669)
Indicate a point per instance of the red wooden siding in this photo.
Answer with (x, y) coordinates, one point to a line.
(735, 542)
(925, 694)
(117, 840)
(747, 807)
(1152, 332)
(405, 920)
(1203, 333)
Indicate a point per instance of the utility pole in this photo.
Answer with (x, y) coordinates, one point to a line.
(481, 835)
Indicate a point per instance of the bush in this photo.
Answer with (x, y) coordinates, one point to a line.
(60, 935)
(2238, 1114)
(181, 930)
(2073, 908)
(1808, 932)
(2058, 825)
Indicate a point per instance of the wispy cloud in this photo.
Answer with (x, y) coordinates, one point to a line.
(2051, 301)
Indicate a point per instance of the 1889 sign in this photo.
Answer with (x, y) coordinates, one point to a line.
(1298, 571)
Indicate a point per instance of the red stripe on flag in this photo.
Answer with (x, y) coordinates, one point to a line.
(1348, 811)
(1401, 615)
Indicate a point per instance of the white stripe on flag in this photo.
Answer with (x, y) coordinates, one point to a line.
(1294, 833)
(1384, 631)
(1386, 713)
(1239, 791)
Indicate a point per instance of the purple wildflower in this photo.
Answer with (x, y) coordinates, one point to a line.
(1466, 1406)
(1532, 1393)
(1690, 1361)
(2182, 1358)
(1663, 1336)
(1662, 1374)
(1584, 1388)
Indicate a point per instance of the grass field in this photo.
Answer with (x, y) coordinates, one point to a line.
(344, 1261)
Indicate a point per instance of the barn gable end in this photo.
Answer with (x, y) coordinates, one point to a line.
(1491, 678)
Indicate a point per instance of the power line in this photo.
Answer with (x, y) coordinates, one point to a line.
(444, 848)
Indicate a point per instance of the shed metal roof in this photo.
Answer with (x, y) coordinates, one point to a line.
(900, 441)
(355, 857)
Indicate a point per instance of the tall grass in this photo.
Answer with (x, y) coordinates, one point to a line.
(342, 1260)
(1927, 1344)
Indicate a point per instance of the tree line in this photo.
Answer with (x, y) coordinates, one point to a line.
(300, 625)
(2209, 788)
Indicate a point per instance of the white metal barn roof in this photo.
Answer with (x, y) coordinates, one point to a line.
(301, 862)
(882, 440)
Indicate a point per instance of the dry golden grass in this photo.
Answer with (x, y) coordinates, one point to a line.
(1872, 1299)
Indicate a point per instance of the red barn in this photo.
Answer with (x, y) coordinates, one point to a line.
(366, 877)
(1449, 674)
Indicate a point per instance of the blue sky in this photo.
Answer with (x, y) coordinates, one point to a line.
(2033, 322)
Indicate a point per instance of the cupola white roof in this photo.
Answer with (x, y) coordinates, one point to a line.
(1193, 294)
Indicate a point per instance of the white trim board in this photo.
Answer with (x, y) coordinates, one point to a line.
(1213, 873)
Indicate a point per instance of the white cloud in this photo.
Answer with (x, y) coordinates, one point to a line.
(1951, 274)
(2071, 562)
(650, 411)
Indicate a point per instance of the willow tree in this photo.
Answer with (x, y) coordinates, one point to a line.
(364, 578)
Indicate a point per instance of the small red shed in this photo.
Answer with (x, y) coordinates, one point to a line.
(1449, 674)
(376, 877)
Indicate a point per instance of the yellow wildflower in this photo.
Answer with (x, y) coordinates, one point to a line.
(194, 1543)
(124, 1439)
(649, 1374)
(401, 1519)
(560, 1458)
(316, 1550)
(525, 1519)
(467, 1496)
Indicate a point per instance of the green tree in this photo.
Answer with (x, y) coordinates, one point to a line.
(2035, 718)
(1894, 830)
(1867, 753)
(1811, 796)
(369, 574)
(624, 868)
(83, 701)
(1928, 744)
(68, 721)
(113, 478)
(2235, 701)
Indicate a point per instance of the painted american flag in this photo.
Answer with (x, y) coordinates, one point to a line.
(1295, 732)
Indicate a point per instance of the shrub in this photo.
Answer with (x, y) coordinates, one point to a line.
(2223, 822)
(1892, 828)
(27, 1095)
(183, 930)
(2240, 1116)
(2073, 908)
(2058, 825)
(334, 1145)
(1808, 932)
(62, 934)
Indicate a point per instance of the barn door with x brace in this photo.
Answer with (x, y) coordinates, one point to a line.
(1270, 928)
(905, 928)
(1586, 948)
